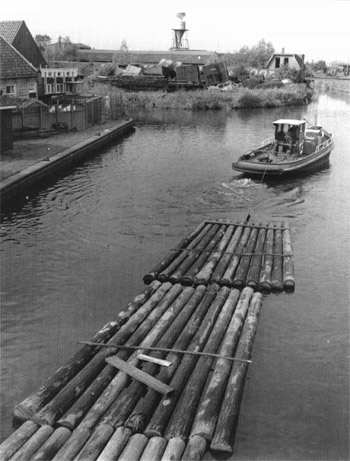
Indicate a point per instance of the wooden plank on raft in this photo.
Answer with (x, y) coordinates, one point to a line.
(148, 358)
(138, 374)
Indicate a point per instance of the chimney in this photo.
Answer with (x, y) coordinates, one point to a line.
(282, 50)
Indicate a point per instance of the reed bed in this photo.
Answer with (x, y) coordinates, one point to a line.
(296, 94)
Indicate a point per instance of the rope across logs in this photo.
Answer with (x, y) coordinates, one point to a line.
(234, 255)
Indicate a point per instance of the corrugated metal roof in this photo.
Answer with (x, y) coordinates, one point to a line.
(148, 57)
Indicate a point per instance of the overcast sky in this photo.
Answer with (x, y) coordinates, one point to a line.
(319, 29)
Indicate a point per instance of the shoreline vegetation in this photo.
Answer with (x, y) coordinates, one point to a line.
(239, 98)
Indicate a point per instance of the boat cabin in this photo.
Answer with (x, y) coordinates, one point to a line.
(289, 136)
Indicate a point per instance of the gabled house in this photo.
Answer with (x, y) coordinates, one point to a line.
(18, 77)
(17, 34)
(280, 60)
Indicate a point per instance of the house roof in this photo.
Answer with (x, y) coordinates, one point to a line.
(9, 101)
(12, 63)
(10, 29)
(6, 103)
(124, 58)
(17, 34)
(298, 58)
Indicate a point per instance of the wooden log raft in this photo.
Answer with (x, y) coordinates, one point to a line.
(189, 399)
(159, 321)
(148, 278)
(195, 448)
(115, 444)
(126, 401)
(56, 440)
(32, 445)
(235, 255)
(189, 277)
(164, 275)
(72, 447)
(277, 270)
(32, 404)
(253, 276)
(208, 410)
(233, 264)
(267, 263)
(243, 267)
(192, 338)
(154, 449)
(203, 276)
(78, 384)
(192, 256)
(155, 308)
(123, 404)
(225, 431)
(17, 439)
(161, 415)
(288, 265)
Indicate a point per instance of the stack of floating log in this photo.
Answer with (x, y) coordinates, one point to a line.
(163, 381)
(232, 255)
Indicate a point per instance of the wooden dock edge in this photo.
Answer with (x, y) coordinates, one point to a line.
(19, 183)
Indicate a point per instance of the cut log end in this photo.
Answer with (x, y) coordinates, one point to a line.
(265, 287)
(186, 281)
(289, 286)
(148, 278)
(221, 447)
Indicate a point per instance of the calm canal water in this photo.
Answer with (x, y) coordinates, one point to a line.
(75, 255)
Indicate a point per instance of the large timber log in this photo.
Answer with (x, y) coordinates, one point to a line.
(208, 410)
(225, 431)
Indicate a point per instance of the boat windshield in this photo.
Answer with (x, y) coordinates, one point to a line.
(289, 136)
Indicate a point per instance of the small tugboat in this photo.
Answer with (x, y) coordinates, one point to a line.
(294, 150)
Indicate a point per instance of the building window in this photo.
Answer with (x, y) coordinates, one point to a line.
(278, 63)
(50, 88)
(286, 61)
(59, 88)
(10, 89)
(32, 90)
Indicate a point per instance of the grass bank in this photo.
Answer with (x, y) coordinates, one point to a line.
(205, 99)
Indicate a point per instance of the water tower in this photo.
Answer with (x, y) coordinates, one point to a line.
(180, 41)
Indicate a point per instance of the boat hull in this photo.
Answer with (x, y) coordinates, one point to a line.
(301, 165)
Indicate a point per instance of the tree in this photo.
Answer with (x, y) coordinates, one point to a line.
(124, 46)
(255, 57)
(65, 50)
(42, 41)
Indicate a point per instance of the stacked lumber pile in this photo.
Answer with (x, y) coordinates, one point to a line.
(165, 379)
